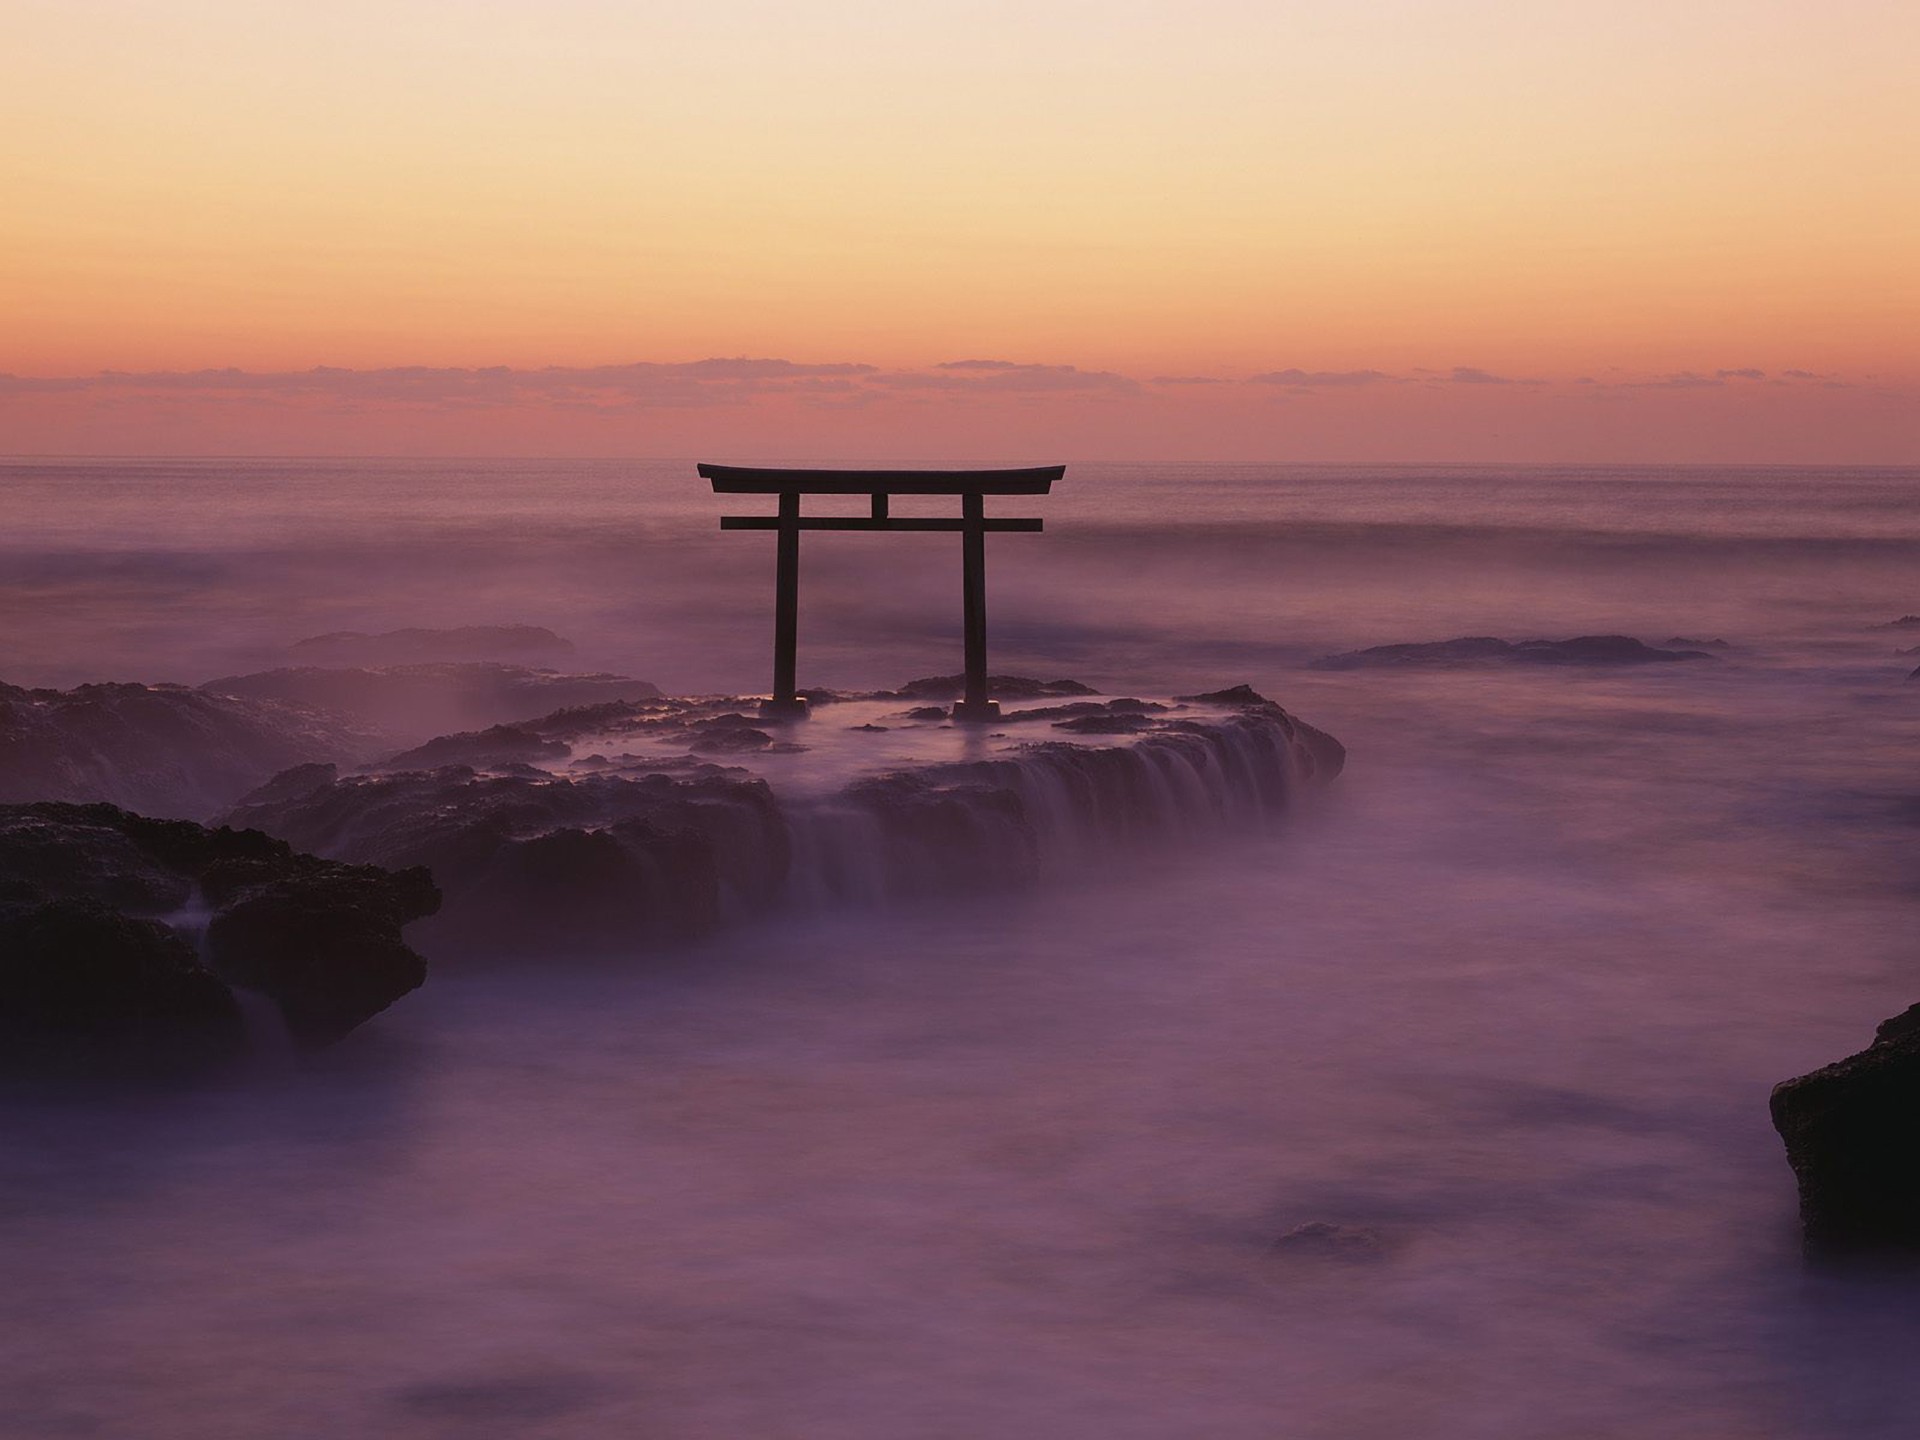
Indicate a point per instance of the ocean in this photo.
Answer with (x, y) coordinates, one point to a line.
(1504, 1004)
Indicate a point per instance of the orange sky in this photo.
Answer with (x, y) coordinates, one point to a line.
(1613, 204)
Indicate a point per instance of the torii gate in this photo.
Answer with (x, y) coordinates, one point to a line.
(972, 486)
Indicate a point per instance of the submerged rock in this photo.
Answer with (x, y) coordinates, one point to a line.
(1852, 1134)
(158, 749)
(1319, 1240)
(100, 909)
(415, 645)
(409, 701)
(1485, 649)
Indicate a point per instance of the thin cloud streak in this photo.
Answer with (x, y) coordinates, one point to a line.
(1320, 379)
(740, 380)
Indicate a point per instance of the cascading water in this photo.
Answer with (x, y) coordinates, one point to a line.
(862, 806)
(269, 1043)
(1046, 809)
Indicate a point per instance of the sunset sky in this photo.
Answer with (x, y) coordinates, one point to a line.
(1424, 229)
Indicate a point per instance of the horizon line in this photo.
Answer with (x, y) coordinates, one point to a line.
(870, 462)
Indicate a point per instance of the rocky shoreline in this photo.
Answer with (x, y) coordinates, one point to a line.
(624, 825)
(124, 939)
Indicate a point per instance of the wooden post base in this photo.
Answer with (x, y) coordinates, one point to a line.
(794, 709)
(980, 713)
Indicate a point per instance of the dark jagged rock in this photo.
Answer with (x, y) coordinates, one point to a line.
(535, 860)
(1681, 642)
(89, 992)
(157, 749)
(1236, 695)
(1072, 710)
(420, 646)
(1852, 1132)
(102, 903)
(1108, 724)
(1485, 649)
(1001, 687)
(416, 701)
(1905, 622)
(323, 942)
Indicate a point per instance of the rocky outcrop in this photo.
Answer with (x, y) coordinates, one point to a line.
(536, 861)
(88, 991)
(520, 644)
(418, 701)
(623, 836)
(1852, 1132)
(122, 935)
(158, 749)
(1597, 650)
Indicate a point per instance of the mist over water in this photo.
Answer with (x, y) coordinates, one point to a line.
(1507, 999)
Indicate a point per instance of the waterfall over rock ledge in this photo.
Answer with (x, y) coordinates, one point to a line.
(609, 827)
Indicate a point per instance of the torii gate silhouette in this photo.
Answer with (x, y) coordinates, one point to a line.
(972, 486)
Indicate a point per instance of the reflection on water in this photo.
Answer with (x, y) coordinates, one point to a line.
(1511, 1003)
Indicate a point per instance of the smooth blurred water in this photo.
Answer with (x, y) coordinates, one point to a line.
(1510, 997)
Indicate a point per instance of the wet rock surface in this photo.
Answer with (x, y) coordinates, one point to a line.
(625, 834)
(122, 935)
(158, 749)
(534, 860)
(1597, 650)
(1852, 1135)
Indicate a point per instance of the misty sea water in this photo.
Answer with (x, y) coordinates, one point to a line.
(1504, 1004)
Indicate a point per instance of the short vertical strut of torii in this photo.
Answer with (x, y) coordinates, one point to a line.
(972, 486)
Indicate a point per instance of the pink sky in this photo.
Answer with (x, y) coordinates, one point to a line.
(975, 410)
(1390, 229)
